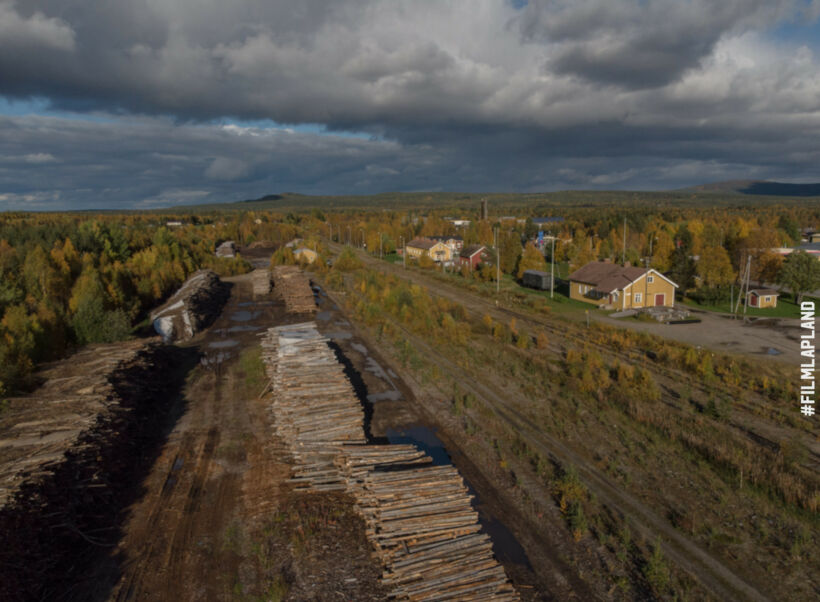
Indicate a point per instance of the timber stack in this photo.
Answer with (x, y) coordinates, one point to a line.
(193, 307)
(315, 407)
(420, 520)
(70, 453)
(294, 288)
(260, 281)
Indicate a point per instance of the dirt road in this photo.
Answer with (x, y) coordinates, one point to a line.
(218, 521)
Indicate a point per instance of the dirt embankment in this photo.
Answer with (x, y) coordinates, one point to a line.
(74, 453)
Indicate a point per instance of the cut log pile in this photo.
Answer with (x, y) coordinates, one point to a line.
(294, 287)
(314, 405)
(36, 432)
(70, 456)
(194, 306)
(419, 517)
(260, 280)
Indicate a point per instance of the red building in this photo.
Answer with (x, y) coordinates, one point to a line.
(472, 256)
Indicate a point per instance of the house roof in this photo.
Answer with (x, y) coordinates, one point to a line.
(471, 250)
(423, 243)
(763, 291)
(608, 277)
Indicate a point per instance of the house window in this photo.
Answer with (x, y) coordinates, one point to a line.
(637, 297)
(768, 299)
(580, 289)
(650, 279)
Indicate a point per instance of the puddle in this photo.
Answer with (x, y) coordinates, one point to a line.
(773, 351)
(505, 545)
(244, 316)
(360, 348)
(246, 328)
(393, 395)
(375, 369)
(391, 373)
(339, 335)
(423, 438)
(223, 344)
(246, 304)
(177, 464)
(324, 316)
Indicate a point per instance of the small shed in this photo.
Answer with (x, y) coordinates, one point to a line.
(762, 298)
(472, 256)
(537, 279)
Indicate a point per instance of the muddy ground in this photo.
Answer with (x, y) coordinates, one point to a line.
(218, 520)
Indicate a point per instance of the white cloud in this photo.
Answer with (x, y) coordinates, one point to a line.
(36, 30)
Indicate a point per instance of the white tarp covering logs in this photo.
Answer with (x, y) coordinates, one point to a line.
(420, 520)
(193, 307)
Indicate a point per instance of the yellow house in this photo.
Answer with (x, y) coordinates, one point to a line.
(436, 249)
(620, 287)
(762, 298)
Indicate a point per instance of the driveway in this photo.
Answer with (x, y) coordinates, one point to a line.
(773, 338)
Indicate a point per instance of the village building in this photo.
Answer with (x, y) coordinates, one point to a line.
(472, 256)
(627, 287)
(762, 298)
(455, 243)
(436, 249)
(543, 222)
(537, 279)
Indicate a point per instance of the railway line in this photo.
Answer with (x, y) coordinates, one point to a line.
(715, 576)
(565, 334)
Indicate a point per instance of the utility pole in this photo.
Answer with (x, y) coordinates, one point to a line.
(552, 268)
(748, 275)
(380, 245)
(497, 262)
(623, 253)
(646, 285)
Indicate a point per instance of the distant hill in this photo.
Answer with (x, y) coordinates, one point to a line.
(760, 188)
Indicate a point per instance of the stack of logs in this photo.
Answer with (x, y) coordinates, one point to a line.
(419, 517)
(260, 280)
(293, 286)
(37, 431)
(314, 405)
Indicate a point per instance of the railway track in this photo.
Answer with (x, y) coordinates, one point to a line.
(570, 334)
(717, 578)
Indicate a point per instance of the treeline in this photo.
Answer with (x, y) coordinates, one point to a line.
(701, 248)
(73, 279)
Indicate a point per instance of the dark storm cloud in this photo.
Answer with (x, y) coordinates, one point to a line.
(469, 94)
(635, 43)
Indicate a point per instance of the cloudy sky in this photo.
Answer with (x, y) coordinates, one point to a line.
(148, 103)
